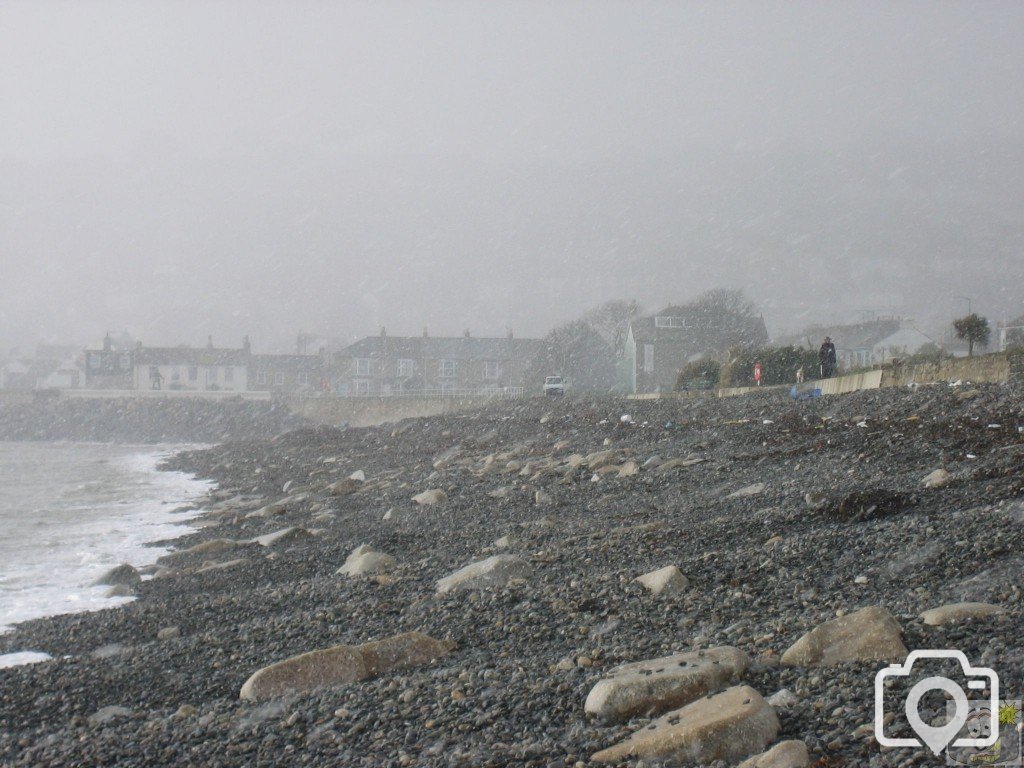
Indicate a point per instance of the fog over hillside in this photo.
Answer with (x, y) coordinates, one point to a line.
(190, 170)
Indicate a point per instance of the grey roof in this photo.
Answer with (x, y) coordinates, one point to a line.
(442, 348)
(190, 356)
(702, 332)
(287, 362)
(855, 336)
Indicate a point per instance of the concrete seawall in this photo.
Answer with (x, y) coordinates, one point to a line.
(996, 368)
(371, 411)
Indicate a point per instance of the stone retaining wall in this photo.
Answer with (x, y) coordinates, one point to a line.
(371, 411)
(982, 368)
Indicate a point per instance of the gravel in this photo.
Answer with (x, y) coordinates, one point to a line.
(513, 691)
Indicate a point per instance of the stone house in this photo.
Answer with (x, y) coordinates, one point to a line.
(658, 346)
(110, 367)
(289, 373)
(391, 365)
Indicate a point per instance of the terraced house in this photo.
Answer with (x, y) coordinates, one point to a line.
(447, 366)
(206, 368)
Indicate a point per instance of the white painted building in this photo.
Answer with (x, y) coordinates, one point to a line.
(188, 368)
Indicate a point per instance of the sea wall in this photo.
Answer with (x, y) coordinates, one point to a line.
(993, 368)
(142, 419)
(371, 411)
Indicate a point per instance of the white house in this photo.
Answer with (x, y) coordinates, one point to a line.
(188, 368)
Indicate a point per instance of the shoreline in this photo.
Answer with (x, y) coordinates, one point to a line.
(764, 567)
(82, 533)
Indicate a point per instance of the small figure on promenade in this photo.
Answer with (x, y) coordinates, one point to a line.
(827, 358)
(757, 373)
(800, 375)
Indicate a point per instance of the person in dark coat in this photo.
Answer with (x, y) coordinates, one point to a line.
(827, 358)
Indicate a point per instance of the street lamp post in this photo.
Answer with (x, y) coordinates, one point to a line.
(969, 301)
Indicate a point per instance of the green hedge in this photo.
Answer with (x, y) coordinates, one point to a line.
(778, 366)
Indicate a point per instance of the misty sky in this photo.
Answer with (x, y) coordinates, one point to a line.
(179, 169)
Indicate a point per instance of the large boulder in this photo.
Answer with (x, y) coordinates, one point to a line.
(432, 496)
(785, 754)
(726, 726)
(365, 561)
(870, 634)
(123, 575)
(658, 685)
(495, 571)
(954, 613)
(344, 487)
(283, 536)
(940, 478)
(664, 581)
(750, 490)
(342, 664)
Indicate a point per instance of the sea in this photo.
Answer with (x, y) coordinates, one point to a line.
(69, 512)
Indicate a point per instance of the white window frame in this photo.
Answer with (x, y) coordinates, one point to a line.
(261, 377)
(406, 367)
(279, 379)
(492, 369)
(669, 321)
(361, 366)
(303, 378)
(360, 388)
(448, 369)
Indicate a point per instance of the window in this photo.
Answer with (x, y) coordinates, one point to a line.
(361, 366)
(279, 379)
(406, 368)
(229, 373)
(261, 377)
(449, 368)
(492, 369)
(362, 388)
(669, 321)
(303, 379)
(211, 375)
(126, 362)
(94, 360)
(648, 358)
(193, 373)
(175, 374)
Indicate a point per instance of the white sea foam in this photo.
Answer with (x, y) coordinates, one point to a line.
(71, 511)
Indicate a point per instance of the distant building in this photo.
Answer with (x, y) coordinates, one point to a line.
(1011, 333)
(110, 367)
(389, 365)
(191, 368)
(52, 366)
(658, 346)
(41, 373)
(288, 373)
(873, 342)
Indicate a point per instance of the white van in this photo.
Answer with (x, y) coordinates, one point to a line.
(555, 386)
